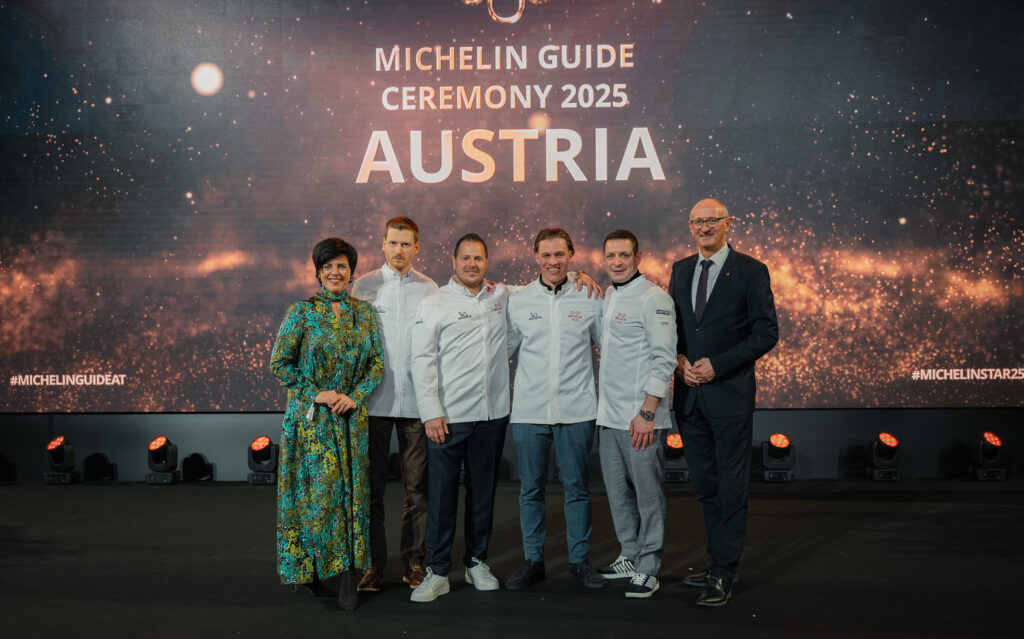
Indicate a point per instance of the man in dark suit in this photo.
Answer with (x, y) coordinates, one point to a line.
(725, 316)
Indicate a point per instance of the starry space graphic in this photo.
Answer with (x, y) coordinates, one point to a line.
(158, 215)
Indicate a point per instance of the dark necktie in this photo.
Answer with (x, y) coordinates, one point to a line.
(702, 289)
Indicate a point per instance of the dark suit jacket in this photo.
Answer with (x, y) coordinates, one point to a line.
(738, 326)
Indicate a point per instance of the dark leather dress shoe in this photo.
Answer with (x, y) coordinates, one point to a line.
(716, 593)
(372, 580)
(415, 576)
(699, 578)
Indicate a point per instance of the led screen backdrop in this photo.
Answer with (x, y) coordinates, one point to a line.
(168, 166)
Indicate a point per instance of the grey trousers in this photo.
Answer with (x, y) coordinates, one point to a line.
(635, 481)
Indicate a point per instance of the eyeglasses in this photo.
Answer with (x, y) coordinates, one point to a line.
(710, 222)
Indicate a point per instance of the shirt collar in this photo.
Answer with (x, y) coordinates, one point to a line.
(621, 284)
(392, 274)
(488, 288)
(718, 257)
(557, 288)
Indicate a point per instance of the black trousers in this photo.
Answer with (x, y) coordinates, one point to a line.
(478, 445)
(718, 455)
(412, 452)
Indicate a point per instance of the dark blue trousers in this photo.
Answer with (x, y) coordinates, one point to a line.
(477, 446)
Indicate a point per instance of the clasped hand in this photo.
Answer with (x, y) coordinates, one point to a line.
(337, 402)
(700, 372)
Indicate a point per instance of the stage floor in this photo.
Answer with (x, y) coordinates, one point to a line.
(823, 559)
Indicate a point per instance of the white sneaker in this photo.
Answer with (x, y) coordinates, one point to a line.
(433, 586)
(641, 586)
(621, 568)
(480, 575)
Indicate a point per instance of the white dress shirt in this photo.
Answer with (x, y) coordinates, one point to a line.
(717, 261)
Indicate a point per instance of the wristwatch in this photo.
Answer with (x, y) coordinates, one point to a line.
(647, 415)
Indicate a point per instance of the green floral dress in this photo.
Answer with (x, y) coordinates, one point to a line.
(323, 489)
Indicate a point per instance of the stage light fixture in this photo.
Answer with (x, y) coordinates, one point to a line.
(163, 462)
(956, 461)
(262, 461)
(61, 461)
(8, 469)
(674, 446)
(778, 458)
(676, 467)
(97, 467)
(195, 467)
(991, 465)
(884, 454)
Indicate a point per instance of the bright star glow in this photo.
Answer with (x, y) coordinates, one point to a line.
(207, 78)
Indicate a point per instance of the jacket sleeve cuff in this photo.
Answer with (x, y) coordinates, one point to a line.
(430, 410)
(721, 365)
(656, 388)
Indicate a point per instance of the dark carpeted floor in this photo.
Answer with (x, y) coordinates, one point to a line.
(823, 559)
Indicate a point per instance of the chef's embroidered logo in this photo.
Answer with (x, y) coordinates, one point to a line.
(576, 316)
(662, 311)
(379, 309)
(498, 307)
(620, 318)
(533, 316)
(464, 315)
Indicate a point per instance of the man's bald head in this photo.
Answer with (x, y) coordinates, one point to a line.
(709, 207)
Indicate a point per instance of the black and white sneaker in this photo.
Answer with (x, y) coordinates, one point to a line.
(621, 568)
(641, 586)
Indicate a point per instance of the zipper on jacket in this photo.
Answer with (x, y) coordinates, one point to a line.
(486, 352)
(556, 355)
(606, 331)
(396, 408)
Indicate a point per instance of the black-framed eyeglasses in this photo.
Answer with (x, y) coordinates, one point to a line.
(710, 222)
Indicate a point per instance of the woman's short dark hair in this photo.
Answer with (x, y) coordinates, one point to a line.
(469, 237)
(552, 234)
(332, 247)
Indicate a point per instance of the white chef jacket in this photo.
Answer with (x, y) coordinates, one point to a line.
(460, 354)
(638, 352)
(554, 381)
(395, 298)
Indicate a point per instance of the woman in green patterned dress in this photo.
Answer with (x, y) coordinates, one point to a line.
(328, 355)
